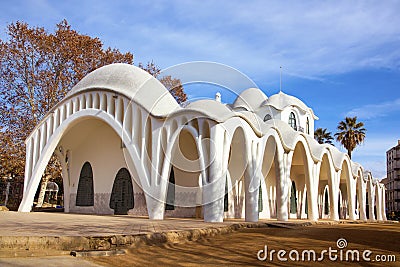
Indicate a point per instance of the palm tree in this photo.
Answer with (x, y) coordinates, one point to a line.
(350, 133)
(323, 136)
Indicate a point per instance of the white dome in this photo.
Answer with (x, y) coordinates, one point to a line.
(251, 99)
(132, 82)
(281, 100)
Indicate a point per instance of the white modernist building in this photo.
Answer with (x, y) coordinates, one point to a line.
(127, 147)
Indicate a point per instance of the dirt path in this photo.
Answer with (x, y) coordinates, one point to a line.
(240, 248)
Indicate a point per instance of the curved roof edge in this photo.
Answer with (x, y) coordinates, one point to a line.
(132, 82)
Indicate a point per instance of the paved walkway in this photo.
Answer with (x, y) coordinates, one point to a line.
(59, 261)
(65, 224)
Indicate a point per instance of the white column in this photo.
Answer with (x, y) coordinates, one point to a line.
(371, 201)
(214, 190)
(76, 104)
(252, 179)
(69, 108)
(35, 143)
(28, 163)
(43, 136)
(282, 170)
(56, 121)
(62, 113)
(335, 196)
(351, 198)
(157, 189)
(384, 203)
(49, 122)
(361, 199)
(312, 192)
(379, 203)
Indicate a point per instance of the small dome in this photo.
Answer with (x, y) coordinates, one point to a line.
(132, 82)
(51, 186)
(250, 99)
(281, 100)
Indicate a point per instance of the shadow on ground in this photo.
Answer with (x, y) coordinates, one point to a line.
(240, 248)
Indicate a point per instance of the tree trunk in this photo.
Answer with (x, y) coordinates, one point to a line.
(43, 186)
(349, 153)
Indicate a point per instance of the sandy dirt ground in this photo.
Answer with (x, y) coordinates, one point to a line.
(240, 248)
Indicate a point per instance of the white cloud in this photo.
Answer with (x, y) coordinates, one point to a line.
(372, 111)
(309, 39)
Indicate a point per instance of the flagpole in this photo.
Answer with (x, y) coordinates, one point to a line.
(280, 80)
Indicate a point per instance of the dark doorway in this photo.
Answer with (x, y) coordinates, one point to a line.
(85, 192)
(367, 206)
(326, 203)
(226, 199)
(306, 205)
(121, 199)
(356, 205)
(293, 199)
(339, 208)
(170, 205)
(260, 199)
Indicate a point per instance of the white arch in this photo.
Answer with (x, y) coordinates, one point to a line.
(350, 189)
(361, 189)
(310, 183)
(37, 167)
(270, 197)
(327, 159)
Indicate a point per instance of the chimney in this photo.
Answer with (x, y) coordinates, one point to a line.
(218, 99)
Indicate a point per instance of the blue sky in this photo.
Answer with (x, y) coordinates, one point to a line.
(341, 58)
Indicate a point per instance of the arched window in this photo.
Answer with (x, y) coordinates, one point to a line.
(122, 197)
(85, 192)
(267, 117)
(292, 121)
(308, 126)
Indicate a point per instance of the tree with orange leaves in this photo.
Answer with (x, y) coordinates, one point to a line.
(37, 69)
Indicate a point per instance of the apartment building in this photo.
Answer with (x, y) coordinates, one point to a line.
(393, 180)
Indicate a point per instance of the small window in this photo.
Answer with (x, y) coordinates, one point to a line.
(292, 121)
(308, 126)
(267, 117)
